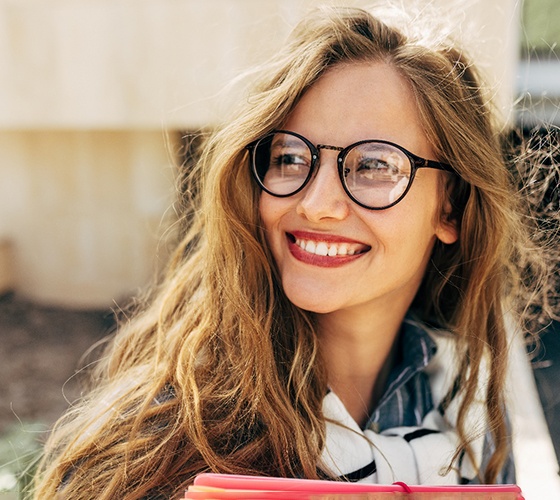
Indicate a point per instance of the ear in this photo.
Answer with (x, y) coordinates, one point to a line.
(446, 230)
(447, 227)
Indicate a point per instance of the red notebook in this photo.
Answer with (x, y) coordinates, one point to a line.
(225, 486)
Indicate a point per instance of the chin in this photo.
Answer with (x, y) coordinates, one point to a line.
(311, 305)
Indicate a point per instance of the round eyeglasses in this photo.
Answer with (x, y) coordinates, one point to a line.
(375, 174)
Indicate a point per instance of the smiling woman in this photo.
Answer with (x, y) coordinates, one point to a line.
(337, 308)
(328, 211)
(360, 297)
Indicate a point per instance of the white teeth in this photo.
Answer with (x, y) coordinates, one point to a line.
(310, 247)
(324, 249)
(321, 249)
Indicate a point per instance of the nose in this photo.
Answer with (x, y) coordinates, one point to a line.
(324, 197)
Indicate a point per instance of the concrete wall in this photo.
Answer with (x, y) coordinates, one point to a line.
(83, 210)
(88, 90)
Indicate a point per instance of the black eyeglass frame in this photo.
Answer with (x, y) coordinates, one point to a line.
(416, 162)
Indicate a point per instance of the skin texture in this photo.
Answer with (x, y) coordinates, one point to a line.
(361, 299)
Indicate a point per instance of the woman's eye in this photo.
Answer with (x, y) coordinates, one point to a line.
(375, 167)
(290, 161)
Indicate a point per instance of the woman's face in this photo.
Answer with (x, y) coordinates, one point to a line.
(375, 259)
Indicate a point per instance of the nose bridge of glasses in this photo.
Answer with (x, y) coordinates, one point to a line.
(325, 195)
(328, 175)
(329, 147)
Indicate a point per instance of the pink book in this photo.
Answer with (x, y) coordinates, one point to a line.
(226, 486)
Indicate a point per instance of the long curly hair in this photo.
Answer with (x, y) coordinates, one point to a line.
(217, 370)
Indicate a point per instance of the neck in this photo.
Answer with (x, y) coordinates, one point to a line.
(359, 353)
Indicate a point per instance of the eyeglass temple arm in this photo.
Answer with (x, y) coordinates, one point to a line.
(423, 163)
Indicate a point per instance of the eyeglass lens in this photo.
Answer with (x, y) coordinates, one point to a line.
(375, 174)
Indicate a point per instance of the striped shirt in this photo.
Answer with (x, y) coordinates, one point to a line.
(407, 397)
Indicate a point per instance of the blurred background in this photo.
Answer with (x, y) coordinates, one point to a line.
(98, 99)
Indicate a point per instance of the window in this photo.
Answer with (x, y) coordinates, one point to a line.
(538, 84)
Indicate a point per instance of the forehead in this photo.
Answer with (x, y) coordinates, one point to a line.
(353, 102)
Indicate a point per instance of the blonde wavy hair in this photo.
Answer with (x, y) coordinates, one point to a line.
(218, 371)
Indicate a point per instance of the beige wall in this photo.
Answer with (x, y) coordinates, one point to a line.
(83, 209)
(87, 89)
(151, 63)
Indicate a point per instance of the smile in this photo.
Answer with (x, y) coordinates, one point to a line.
(325, 248)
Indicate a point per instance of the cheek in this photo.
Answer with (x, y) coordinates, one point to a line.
(266, 211)
(271, 212)
(410, 236)
(411, 226)
(428, 196)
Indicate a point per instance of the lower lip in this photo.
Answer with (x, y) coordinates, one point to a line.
(320, 260)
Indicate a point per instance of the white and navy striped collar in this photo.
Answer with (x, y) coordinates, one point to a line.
(407, 397)
(420, 446)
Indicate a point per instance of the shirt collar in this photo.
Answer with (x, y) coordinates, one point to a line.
(416, 348)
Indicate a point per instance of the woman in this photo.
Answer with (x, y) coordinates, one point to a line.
(336, 309)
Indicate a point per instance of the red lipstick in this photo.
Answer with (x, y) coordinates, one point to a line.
(324, 250)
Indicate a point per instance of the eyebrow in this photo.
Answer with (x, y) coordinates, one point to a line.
(292, 142)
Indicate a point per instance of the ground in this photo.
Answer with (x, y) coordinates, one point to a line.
(41, 349)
